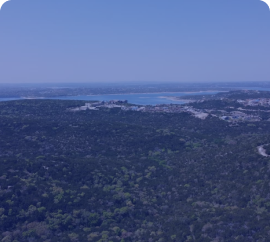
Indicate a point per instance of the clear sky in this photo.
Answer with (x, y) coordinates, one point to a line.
(134, 40)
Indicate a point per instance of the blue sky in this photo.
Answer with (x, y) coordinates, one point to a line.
(134, 41)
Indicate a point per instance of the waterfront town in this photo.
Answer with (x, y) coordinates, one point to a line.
(231, 116)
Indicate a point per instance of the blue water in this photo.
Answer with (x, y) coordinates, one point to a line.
(140, 98)
(137, 98)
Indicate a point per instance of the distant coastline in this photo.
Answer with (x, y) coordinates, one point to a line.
(178, 99)
(135, 93)
(156, 98)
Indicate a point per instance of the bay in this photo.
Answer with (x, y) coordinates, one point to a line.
(133, 98)
(139, 98)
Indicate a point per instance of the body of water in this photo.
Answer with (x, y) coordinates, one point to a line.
(141, 98)
(134, 98)
(138, 98)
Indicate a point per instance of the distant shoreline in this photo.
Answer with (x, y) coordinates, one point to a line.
(132, 93)
(178, 100)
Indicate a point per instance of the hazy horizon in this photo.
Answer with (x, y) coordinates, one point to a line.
(134, 42)
(133, 83)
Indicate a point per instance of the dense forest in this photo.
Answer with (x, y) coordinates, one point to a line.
(113, 175)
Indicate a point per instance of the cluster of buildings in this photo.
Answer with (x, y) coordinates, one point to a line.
(255, 102)
(164, 108)
(234, 116)
(240, 116)
(174, 108)
(97, 105)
